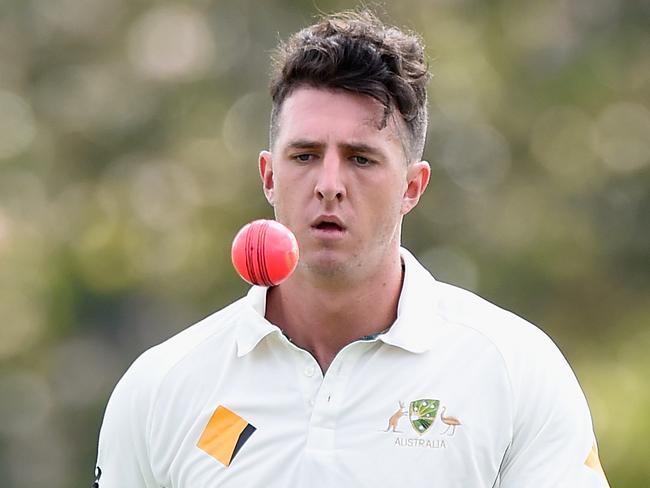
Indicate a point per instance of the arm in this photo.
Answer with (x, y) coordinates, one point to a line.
(123, 441)
(553, 444)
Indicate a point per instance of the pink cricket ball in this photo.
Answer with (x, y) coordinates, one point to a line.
(264, 253)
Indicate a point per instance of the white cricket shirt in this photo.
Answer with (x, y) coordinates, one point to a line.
(458, 393)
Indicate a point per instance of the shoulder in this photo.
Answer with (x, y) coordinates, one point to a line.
(462, 313)
(124, 441)
(537, 370)
(152, 366)
(514, 337)
(136, 392)
(532, 361)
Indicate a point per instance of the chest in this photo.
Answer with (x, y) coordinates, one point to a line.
(377, 415)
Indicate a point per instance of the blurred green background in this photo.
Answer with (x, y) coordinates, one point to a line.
(129, 135)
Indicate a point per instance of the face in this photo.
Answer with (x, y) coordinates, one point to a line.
(340, 181)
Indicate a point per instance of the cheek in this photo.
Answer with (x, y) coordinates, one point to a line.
(289, 182)
(387, 195)
(383, 209)
(286, 200)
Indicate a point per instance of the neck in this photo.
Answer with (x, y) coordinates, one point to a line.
(324, 319)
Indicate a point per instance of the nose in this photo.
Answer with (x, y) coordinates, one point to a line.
(330, 186)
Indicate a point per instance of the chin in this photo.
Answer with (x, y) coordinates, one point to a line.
(327, 263)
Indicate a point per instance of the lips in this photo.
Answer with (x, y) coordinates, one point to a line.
(328, 223)
(328, 228)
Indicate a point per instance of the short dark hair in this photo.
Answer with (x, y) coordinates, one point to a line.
(355, 51)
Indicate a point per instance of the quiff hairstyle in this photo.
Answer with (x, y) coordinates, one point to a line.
(356, 52)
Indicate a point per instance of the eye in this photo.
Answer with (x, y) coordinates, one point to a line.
(361, 161)
(303, 158)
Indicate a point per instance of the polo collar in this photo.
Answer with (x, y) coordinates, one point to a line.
(253, 326)
(413, 330)
(417, 309)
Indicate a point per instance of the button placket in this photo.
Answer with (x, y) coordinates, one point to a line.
(313, 382)
(309, 370)
(330, 399)
(308, 375)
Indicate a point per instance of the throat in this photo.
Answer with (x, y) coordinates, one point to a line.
(323, 322)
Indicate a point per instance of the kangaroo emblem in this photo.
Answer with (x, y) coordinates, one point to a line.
(394, 419)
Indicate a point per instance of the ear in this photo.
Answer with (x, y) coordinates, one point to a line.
(266, 172)
(417, 179)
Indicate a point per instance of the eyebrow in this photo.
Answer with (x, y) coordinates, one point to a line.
(304, 144)
(353, 147)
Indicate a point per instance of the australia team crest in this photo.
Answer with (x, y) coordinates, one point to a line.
(422, 414)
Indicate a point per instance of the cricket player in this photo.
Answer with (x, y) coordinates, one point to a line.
(360, 370)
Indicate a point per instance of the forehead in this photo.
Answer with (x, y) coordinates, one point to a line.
(335, 115)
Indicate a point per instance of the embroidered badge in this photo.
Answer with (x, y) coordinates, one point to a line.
(422, 415)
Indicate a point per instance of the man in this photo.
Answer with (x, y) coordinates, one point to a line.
(360, 370)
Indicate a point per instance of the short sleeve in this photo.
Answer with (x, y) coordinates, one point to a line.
(122, 459)
(553, 444)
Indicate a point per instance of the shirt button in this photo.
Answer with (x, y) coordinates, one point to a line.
(309, 371)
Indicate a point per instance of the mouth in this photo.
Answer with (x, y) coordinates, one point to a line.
(327, 226)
